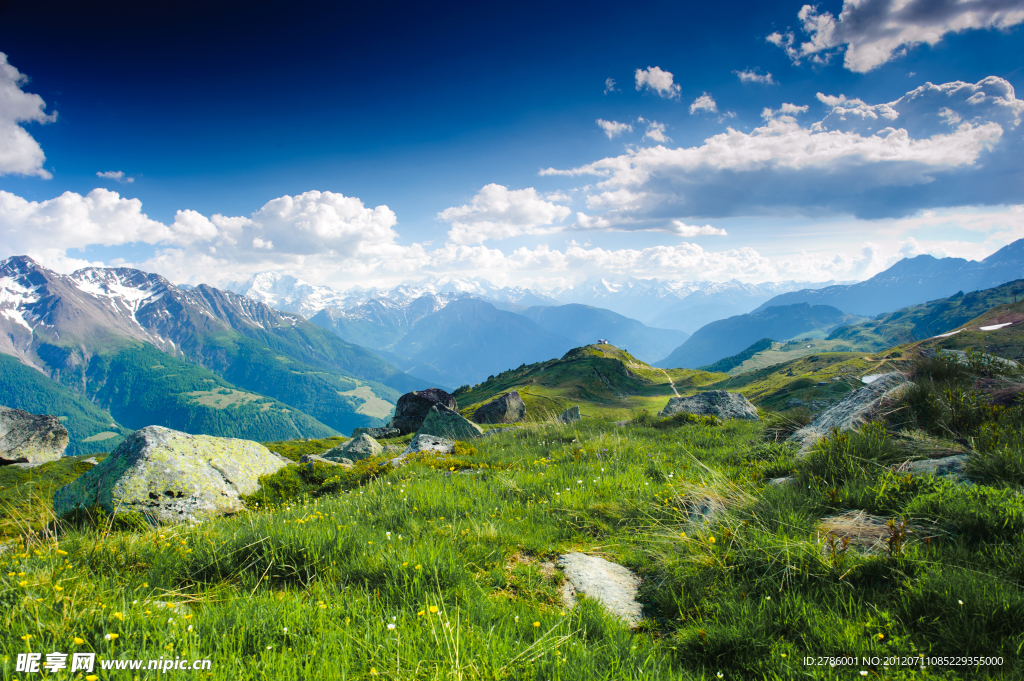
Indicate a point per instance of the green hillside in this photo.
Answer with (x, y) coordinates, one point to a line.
(919, 322)
(824, 377)
(143, 386)
(91, 429)
(729, 363)
(602, 378)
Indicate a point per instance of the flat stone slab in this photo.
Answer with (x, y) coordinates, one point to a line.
(610, 584)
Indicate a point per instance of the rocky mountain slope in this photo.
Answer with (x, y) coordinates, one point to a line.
(913, 281)
(727, 337)
(73, 327)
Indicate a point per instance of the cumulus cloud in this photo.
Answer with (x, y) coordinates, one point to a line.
(656, 80)
(872, 161)
(285, 231)
(752, 76)
(497, 212)
(683, 229)
(704, 103)
(874, 32)
(655, 131)
(609, 85)
(20, 154)
(117, 176)
(614, 128)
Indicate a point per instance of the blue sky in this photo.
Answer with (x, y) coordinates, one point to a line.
(360, 144)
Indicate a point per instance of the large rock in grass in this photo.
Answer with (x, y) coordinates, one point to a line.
(720, 403)
(377, 433)
(30, 438)
(610, 584)
(448, 423)
(570, 415)
(852, 411)
(508, 408)
(167, 476)
(360, 447)
(412, 408)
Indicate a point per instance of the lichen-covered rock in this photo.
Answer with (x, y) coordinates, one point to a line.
(948, 466)
(720, 403)
(313, 459)
(355, 449)
(508, 408)
(448, 423)
(570, 415)
(610, 584)
(30, 438)
(424, 443)
(377, 433)
(412, 408)
(169, 477)
(852, 411)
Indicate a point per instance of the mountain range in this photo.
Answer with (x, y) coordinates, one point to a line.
(198, 359)
(727, 337)
(680, 305)
(914, 280)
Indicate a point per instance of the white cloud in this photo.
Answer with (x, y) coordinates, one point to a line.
(20, 154)
(682, 229)
(877, 31)
(752, 76)
(704, 103)
(849, 161)
(656, 80)
(609, 85)
(497, 212)
(117, 176)
(614, 128)
(655, 131)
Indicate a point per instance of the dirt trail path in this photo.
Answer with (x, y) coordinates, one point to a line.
(670, 382)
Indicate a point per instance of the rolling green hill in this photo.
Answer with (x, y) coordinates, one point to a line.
(919, 322)
(91, 429)
(142, 386)
(603, 379)
(729, 363)
(726, 337)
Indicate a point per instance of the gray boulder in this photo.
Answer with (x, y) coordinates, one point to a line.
(724, 405)
(308, 459)
(412, 408)
(948, 466)
(570, 415)
(424, 443)
(170, 477)
(508, 408)
(610, 584)
(448, 423)
(377, 433)
(30, 438)
(852, 411)
(357, 448)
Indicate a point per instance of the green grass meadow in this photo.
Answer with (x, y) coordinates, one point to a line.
(442, 569)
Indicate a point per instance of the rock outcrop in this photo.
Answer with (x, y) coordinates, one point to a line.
(852, 411)
(610, 584)
(424, 443)
(355, 449)
(570, 415)
(720, 403)
(412, 408)
(448, 423)
(167, 476)
(30, 438)
(377, 433)
(508, 408)
(311, 459)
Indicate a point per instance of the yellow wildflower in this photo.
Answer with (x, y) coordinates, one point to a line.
(433, 608)
(78, 641)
